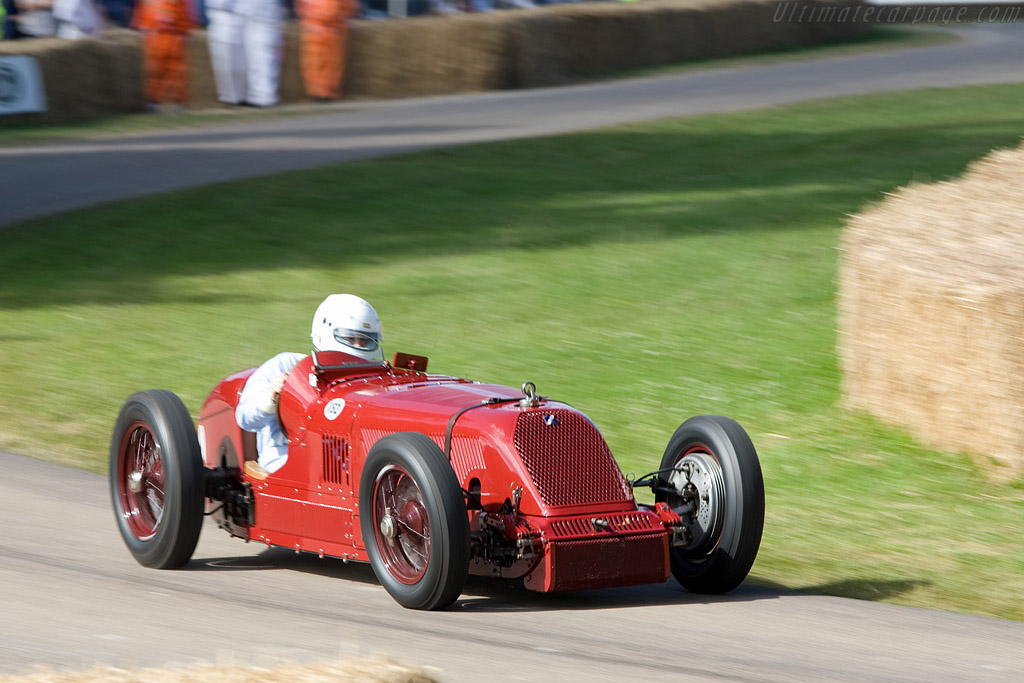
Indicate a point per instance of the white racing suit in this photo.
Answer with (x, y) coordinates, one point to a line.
(257, 410)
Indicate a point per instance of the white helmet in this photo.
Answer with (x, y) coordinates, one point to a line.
(346, 323)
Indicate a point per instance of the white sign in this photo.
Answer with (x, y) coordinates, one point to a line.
(333, 409)
(21, 85)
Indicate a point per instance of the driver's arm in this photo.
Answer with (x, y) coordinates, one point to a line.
(257, 405)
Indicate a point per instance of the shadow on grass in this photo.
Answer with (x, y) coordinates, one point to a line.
(873, 589)
(787, 169)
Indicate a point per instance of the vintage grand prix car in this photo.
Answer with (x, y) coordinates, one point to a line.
(430, 478)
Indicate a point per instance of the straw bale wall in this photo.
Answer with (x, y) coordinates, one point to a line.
(451, 54)
(931, 311)
(85, 78)
(565, 42)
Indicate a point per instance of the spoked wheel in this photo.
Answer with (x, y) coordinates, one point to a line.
(414, 521)
(401, 525)
(140, 480)
(718, 490)
(156, 479)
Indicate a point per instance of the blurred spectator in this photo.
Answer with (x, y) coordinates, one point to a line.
(324, 44)
(35, 18)
(165, 25)
(8, 20)
(381, 9)
(445, 7)
(224, 32)
(118, 12)
(263, 42)
(77, 19)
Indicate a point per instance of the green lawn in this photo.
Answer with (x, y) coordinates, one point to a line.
(643, 273)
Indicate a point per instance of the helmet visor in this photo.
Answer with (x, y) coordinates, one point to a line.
(359, 340)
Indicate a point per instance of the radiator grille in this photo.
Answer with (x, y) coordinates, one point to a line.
(568, 459)
(630, 522)
(609, 562)
(335, 452)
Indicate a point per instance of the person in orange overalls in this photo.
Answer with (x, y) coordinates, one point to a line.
(324, 42)
(165, 24)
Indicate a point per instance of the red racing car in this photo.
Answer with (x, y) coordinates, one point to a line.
(430, 478)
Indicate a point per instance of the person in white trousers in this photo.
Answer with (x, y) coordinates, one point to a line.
(264, 44)
(227, 49)
(77, 19)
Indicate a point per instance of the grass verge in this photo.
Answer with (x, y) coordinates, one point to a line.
(643, 273)
(872, 40)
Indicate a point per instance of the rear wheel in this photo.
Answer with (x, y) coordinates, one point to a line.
(156, 479)
(718, 490)
(413, 520)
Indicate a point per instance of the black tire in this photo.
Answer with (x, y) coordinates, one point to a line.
(160, 514)
(420, 571)
(725, 531)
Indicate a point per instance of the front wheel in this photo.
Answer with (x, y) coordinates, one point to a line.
(414, 523)
(156, 479)
(711, 468)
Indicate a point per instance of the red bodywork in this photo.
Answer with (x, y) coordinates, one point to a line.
(574, 517)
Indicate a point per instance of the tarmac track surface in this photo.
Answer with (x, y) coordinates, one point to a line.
(49, 178)
(74, 597)
(71, 596)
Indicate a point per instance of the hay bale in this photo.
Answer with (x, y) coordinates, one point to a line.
(562, 43)
(122, 85)
(482, 53)
(430, 58)
(367, 72)
(538, 55)
(73, 76)
(681, 33)
(290, 87)
(738, 27)
(427, 56)
(542, 49)
(202, 89)
(931, 311)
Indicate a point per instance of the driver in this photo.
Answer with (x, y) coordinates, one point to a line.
(343, 322)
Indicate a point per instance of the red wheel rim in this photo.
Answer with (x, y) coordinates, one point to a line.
(695, 448)
(140, 480)
(401, 525)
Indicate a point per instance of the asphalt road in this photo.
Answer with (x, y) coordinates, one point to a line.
(44, 179)
(71, 596)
